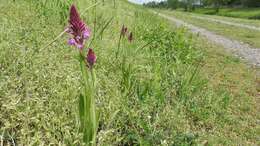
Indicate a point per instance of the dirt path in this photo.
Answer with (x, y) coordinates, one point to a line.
(243, 51)
(228, 23)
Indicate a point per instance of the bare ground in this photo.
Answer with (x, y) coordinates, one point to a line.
(239, 49)
(229, 23)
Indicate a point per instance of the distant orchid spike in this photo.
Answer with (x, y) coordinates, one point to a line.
(78, 29)
(91, 58)
(123, 30)
(130, 37)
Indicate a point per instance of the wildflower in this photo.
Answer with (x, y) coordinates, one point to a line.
(78, 29)
(130, 37)
(149, 117)
(72, 41)
(123, 30)
(91, 58)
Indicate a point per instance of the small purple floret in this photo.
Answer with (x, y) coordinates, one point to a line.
(86, 34)
(72, 42)
(79, 46)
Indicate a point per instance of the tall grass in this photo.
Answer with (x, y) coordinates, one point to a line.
(153, 93)
(55, 7)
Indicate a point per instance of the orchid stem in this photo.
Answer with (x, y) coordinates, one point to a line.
(118, 47)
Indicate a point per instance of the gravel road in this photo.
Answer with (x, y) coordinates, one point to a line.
(239, 49)
(228, 23)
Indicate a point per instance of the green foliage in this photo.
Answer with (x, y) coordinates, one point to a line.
(248, 13)
(87, 107)
(215, 5)
(154, 93)
(49, 8)
(173, 3)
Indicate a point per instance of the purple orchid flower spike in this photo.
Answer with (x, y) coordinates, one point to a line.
(130, 37)
(78, 29)
(91, 58)
(123, 30)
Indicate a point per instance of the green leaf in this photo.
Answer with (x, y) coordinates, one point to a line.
(81, 109)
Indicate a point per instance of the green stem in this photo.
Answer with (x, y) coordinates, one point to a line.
(118, 47)
(90, 123)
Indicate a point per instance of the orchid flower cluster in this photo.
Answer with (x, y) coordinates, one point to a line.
(124, 33)
(79, 34)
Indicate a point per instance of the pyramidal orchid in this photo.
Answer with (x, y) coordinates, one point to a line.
(78, 29)
(79, 33)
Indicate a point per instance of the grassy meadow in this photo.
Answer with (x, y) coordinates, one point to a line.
(167, 87)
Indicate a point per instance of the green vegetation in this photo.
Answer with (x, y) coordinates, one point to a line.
(164, 88)
(245, 35)
(248, 9)
(248, 13)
